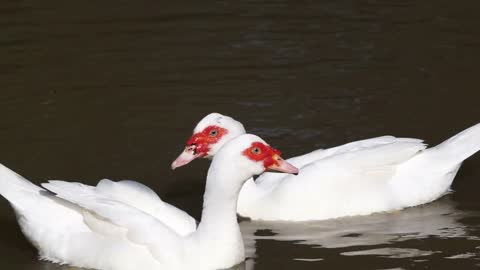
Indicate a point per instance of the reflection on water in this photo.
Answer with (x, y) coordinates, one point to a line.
(439, 218)
(379, 235)
(109, 89)
(391, 252)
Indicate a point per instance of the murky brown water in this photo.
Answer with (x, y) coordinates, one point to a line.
(94, 89)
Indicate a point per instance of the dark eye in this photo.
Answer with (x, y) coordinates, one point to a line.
(256, 150)
(213, 133)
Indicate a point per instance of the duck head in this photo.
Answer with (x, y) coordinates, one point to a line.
(210, 134)
(250, 155)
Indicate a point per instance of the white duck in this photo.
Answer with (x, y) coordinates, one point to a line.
(358, 178)
(115, 225)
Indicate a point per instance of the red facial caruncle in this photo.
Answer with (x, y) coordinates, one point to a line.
(270, 157)
(199, 145)
(203, 140)
(261, 152)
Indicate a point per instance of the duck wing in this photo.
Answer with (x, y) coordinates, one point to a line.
(103, 213)
(142, 197)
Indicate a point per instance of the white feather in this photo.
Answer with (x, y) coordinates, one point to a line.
(125, 225)
(358, 178)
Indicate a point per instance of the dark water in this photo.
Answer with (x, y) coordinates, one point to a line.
(94, 89)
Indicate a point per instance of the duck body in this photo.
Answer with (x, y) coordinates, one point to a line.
(66, 233)
(125, 225)
(359, 178)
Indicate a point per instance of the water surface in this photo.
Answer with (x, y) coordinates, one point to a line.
(95, 89)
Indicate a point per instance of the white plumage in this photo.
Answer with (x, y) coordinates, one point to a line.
(126, 226)
(358, 178)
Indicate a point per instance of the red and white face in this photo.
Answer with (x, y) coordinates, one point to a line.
(200, 145)
(269, 157)
(207, 141)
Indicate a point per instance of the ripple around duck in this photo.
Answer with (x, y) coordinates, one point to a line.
(391, 252)
(463, 256)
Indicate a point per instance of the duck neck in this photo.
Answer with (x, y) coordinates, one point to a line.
(220, 198)
(218, 227)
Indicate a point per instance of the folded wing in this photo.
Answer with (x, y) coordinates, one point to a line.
(347, 156)
(103, 213)
(142, 197)
(346, 183)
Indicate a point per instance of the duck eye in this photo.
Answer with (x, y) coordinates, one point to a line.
(256, 150)
(213, 133)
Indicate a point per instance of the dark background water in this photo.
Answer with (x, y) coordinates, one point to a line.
(95, 89)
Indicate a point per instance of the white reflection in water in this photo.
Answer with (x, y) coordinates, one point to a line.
(463, 256)
(391, 252)
(439, 219)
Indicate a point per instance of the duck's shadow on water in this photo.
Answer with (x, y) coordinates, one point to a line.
(378, 234)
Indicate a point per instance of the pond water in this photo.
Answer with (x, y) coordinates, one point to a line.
(112, 89)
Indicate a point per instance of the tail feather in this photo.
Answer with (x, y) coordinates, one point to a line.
(429, 174)
(459, 147)
(12, 184)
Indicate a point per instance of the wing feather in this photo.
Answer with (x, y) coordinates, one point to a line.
(141, 228)
(142, 197)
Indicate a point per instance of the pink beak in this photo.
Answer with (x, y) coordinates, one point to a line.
(283, 166)
(185, 157)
